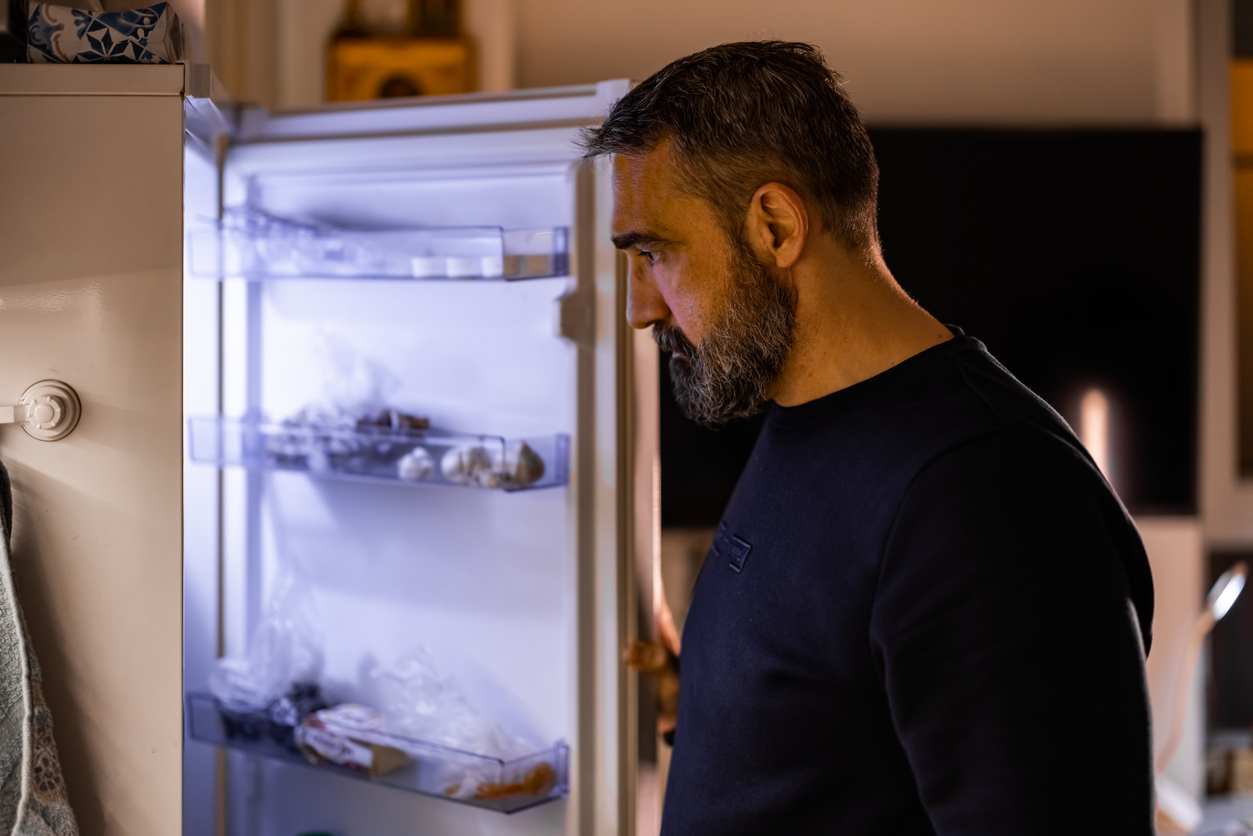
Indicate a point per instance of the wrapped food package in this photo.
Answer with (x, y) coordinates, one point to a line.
(341, 735)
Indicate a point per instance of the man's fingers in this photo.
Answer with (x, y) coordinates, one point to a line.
(645, 657)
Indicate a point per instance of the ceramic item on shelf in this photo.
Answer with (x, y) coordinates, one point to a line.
(61, 35)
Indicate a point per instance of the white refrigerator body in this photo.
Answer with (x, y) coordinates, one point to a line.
(526, 598)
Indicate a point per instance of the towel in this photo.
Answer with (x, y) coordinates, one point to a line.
(32, 791)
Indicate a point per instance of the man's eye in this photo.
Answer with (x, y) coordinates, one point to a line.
(650, 257)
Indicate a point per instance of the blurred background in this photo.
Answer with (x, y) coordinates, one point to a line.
(1108, 62)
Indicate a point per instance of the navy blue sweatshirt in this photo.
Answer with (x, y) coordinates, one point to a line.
(924, 612)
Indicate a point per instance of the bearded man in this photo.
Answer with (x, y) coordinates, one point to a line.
(925, 611)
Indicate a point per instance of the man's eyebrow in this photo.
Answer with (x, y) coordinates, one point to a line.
(631, 239)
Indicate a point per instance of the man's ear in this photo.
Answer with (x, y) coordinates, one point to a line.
(777, 225)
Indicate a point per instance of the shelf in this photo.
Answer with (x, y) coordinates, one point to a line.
(383, 454)
(253, 245)
(505, 786)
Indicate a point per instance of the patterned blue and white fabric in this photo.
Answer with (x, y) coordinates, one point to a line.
(61, 35)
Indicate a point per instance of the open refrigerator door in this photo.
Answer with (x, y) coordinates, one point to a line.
(419, 497)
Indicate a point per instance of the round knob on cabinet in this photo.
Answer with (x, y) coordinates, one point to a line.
(45, 413)
(52, 410)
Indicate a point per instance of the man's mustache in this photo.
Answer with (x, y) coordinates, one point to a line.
(671, 339)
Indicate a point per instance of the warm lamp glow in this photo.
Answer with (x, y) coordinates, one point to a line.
(1094, 427)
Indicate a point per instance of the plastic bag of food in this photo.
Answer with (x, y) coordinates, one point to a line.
(285, 650)
(420, 702)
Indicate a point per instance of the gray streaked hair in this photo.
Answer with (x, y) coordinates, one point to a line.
(744, 114)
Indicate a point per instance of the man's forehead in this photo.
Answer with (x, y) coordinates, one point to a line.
(646, 175)
(644, 188)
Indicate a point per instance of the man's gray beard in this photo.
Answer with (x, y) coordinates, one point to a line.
(730, 374)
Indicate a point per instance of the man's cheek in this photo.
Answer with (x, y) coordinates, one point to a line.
(684, 304)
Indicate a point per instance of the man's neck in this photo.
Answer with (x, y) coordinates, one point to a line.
(852, 322)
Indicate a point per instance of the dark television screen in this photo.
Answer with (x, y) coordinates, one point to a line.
(1074, 255)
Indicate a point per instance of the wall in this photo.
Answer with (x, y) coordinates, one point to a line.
(1115, 61)
(904, 60)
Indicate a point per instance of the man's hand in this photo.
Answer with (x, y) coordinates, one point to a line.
(646, 657)
(660, 658)
(651, 658)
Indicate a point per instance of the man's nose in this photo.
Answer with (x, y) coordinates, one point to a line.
(644, 304)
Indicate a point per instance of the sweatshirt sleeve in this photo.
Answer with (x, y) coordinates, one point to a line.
(1010, 647)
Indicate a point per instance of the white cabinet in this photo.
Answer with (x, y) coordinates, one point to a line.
(91, 293)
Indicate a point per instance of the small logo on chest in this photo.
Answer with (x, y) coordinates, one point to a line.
(732, 549)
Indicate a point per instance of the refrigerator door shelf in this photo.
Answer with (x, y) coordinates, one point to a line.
(505, 786)
(253, 245)
(383, 454)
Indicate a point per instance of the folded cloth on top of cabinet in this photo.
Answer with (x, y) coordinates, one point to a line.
(56, 34)
(32, 791)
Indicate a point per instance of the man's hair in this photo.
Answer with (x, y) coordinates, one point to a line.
(744, 114)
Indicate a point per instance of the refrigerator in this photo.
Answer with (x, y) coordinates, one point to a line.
(360, 410)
